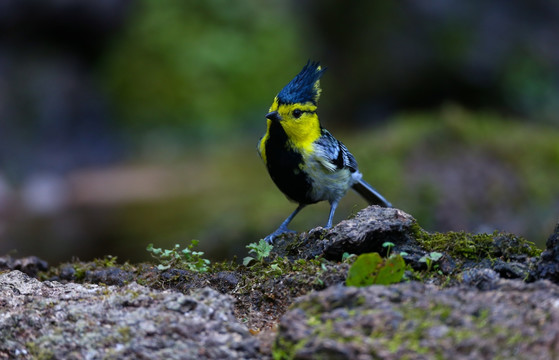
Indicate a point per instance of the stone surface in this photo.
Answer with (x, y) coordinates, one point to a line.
(30, 265)
(514, 320)
(548, 266)
(62, 321)
(366, 232)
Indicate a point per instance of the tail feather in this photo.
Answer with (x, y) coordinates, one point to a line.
(370, 194)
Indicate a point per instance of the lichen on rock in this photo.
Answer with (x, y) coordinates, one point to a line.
(54, 320)
(419, 321)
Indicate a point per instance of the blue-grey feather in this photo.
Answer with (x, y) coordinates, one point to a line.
(335, 151)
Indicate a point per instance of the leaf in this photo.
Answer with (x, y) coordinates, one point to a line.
(261, 250)
(247, 260)
(364, 269)
(435, 256)
(369, 269)
(175, 257)
(392, 271)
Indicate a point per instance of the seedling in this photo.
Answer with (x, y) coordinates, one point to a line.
(388, 245)
(346, 256)
(430, 259)
(183, 259)
(261, 251)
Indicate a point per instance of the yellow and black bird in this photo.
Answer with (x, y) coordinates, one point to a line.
(304, 160)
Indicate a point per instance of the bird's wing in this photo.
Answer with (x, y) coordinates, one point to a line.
(332, 154)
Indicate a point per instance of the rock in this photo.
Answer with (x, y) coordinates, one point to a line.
(510, 256)
(109, 276)
(511, 269)
(53, 320)
(552, 246)
(474, 313)
(483, 279)
(548, 266)
(30, 265)
(418, 321)
(366, 232)
(225, 281)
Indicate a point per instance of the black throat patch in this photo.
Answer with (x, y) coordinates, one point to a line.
(283, 165)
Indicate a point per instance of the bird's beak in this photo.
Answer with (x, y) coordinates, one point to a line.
(274, 116)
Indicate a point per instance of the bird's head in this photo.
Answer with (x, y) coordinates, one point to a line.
(295, 105)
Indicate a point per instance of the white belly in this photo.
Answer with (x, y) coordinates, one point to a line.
(329, 183)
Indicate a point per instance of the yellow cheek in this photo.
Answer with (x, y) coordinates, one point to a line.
(302, 132)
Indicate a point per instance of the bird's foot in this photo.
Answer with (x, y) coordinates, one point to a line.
(280, 231)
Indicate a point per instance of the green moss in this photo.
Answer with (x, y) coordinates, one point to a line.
(410, 331)
(38, 352)
(417, 324)
(125, 334)
(406, 337)
(475, 246)
(80, 271)
(283, 349)
(107, 261)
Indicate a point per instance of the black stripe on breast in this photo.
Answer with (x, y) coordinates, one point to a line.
(283, 165)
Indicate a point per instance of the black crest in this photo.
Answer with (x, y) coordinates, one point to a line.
(305, 87)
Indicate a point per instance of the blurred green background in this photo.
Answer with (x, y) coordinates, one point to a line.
(125, 123)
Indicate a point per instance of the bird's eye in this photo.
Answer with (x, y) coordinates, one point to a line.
(297, 113)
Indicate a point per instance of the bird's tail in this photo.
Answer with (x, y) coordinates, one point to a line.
(370, 194)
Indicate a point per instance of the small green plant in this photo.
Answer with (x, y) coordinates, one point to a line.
(388, 245)
(261, 251)
(430, 259)
(347, 256)
(371, 268)
(186, 258)
(107, 261)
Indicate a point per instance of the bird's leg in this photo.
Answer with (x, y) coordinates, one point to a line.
(283, 227)
(333, 206)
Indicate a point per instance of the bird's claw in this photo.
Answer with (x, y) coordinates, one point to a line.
(270, 238)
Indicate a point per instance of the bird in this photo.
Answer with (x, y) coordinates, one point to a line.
(303, 159)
